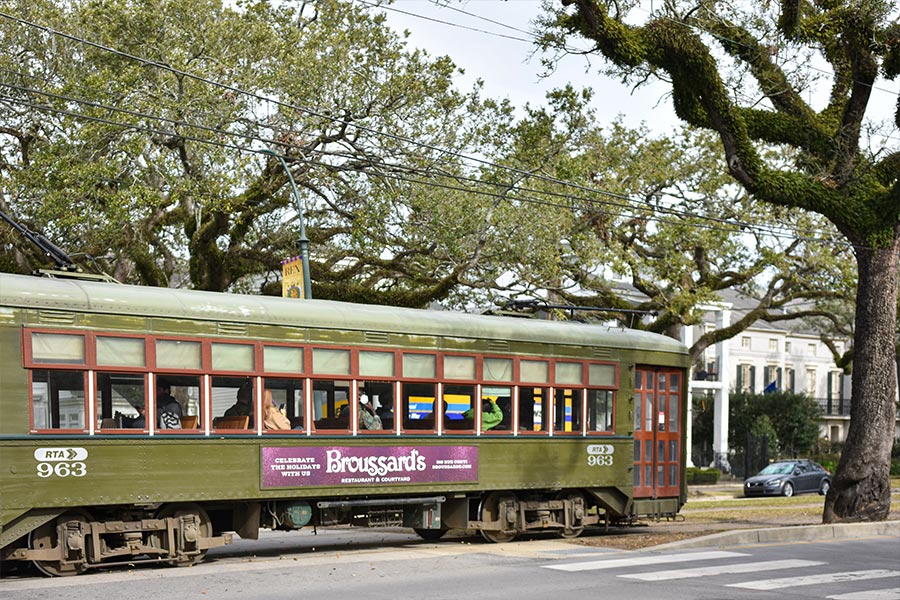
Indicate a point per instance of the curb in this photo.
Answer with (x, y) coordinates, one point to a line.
(801, 533)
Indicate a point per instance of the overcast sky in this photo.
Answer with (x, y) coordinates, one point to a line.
(486, 51)
(507, 66)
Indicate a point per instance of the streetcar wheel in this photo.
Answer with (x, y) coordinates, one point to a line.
(47, 537)
(204, 530)
(491, 507)
(575, 528)
(430, 535)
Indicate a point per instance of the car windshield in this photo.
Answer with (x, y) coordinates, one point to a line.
(777, 469)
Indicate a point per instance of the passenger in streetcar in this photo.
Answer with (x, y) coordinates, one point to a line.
(367, 417)
(491, 414)
(168, 410)
(138, 422)
(243, 407)
(272, 415)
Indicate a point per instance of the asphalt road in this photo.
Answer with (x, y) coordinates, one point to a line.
(394, 565)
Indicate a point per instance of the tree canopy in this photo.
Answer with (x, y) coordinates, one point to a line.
(743, 71)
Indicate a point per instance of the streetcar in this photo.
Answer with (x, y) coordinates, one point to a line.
(487, 424)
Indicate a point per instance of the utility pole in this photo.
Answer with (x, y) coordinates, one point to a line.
(304, 241)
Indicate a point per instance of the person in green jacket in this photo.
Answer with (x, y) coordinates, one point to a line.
(491, 414)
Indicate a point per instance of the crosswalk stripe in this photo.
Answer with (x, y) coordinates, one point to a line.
(653, 559)
(774, 584)
(769, 565)
(885, 594)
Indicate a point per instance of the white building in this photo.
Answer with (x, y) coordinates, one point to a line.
(784, 356)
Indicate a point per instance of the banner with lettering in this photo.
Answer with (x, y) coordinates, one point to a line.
(288, 466)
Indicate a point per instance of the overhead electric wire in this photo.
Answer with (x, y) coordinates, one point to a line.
(725, 225)
(311, 112)
(535, 39)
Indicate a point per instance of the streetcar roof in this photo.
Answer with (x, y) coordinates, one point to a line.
(90, 296)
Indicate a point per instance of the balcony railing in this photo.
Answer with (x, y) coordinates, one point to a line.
(834, 407)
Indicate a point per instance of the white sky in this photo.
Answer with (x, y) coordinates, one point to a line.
(506, 65)
(508, 72)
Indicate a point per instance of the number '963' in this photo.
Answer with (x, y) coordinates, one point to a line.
(605, 460)
(62, 469)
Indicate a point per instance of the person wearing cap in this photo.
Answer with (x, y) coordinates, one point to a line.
(367, 417)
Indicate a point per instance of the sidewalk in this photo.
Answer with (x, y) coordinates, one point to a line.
(781, 535)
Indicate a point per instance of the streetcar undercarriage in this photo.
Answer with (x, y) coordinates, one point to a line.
(180, 534)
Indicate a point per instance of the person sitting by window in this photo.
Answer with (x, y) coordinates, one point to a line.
(491, 414)
(272, 415)
(138, 422)
(168, 410)
(367, 417)
(244, 404)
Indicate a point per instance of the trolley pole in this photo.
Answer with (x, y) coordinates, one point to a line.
(304, 241)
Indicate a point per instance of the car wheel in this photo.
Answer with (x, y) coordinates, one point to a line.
(787, 490)
(826, 485)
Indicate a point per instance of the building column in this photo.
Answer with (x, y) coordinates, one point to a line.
(687, 336)
(720, 417)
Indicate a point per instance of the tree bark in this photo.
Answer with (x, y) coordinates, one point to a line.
(861, 490)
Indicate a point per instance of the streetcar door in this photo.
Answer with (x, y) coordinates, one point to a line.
(657, 436)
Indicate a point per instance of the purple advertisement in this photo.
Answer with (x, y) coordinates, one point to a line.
(367, 465)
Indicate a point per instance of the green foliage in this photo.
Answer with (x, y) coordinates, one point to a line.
(696, 475)
(789, 420)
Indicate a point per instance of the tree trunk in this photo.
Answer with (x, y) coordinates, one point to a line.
(861, 490)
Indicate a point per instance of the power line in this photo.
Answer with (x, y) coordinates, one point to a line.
(443, 151)
(721, 224)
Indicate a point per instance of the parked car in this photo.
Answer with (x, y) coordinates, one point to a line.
(789, 477)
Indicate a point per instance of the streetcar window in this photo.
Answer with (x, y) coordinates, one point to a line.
(380, 396)
(459, 400)
(534, 409)
(121, 351)
(498, 369)
(534, 371)
(571, 373)
(282, 359)
(600, 410)
(58, 399)
(335, 362)
(459, 367)
(567, 411)
(420, 406)
(673, 412)
(331, 405)
(232, 398)
(376, 364)
(177, 354)
(419, 366)
(121, 398)
(57, 348)
(288, 397)
(638, 404)
(502, 396)
(185, 389)
(602, 375)
(232, 357)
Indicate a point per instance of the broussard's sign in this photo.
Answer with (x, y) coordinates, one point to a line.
(367, 465)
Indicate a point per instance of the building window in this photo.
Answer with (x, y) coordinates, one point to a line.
(745, 378)
(811, 383)
(787, 347)
(773, 345)
(811, 349)
(745, 343)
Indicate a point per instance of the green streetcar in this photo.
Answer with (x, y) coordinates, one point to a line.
(149, 424)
